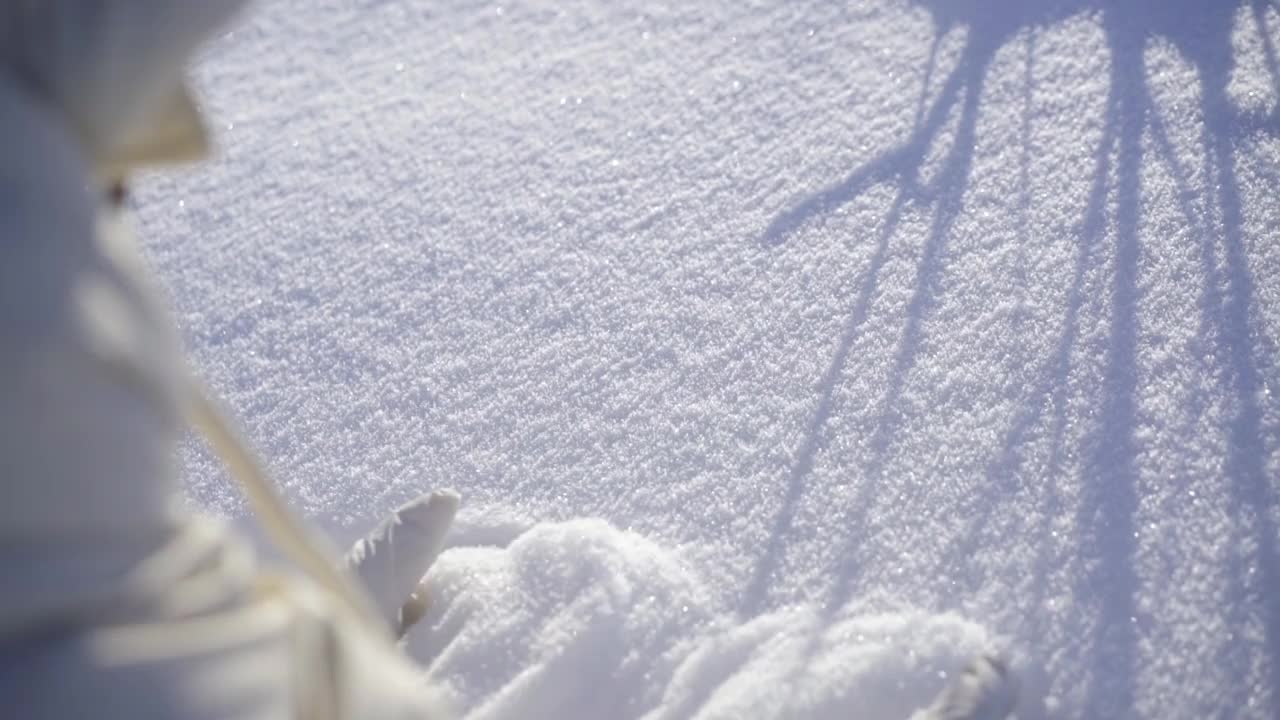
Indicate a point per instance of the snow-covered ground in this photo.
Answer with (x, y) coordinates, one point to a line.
(786, 354)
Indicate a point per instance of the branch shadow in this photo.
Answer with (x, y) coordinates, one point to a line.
(1109, 500)
(1202, 34)
(1230, 334)
(1049, 392)
(901, 166)
(1108, 506)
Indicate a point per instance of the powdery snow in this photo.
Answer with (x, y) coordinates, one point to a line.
(580, 619)
(786, 354)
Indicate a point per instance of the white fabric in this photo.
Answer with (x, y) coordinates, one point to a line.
(114, 69)
(114, 602)
(196, 631)
(67, 300)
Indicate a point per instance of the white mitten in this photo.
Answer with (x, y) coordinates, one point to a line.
(392, 559)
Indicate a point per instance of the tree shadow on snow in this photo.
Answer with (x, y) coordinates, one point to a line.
(900, 166)
(1109, 248)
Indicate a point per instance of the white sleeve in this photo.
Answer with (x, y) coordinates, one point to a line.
(200, 633)
(86, 452)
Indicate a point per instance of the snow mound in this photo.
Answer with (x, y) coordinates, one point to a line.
(574, 615)
(581, 619)
(800, 663)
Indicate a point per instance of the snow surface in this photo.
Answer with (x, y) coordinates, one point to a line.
(786, 354)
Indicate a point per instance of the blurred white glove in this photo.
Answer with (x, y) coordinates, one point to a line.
(392, 559)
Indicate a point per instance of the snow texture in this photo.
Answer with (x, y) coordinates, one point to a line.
(785, 354)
